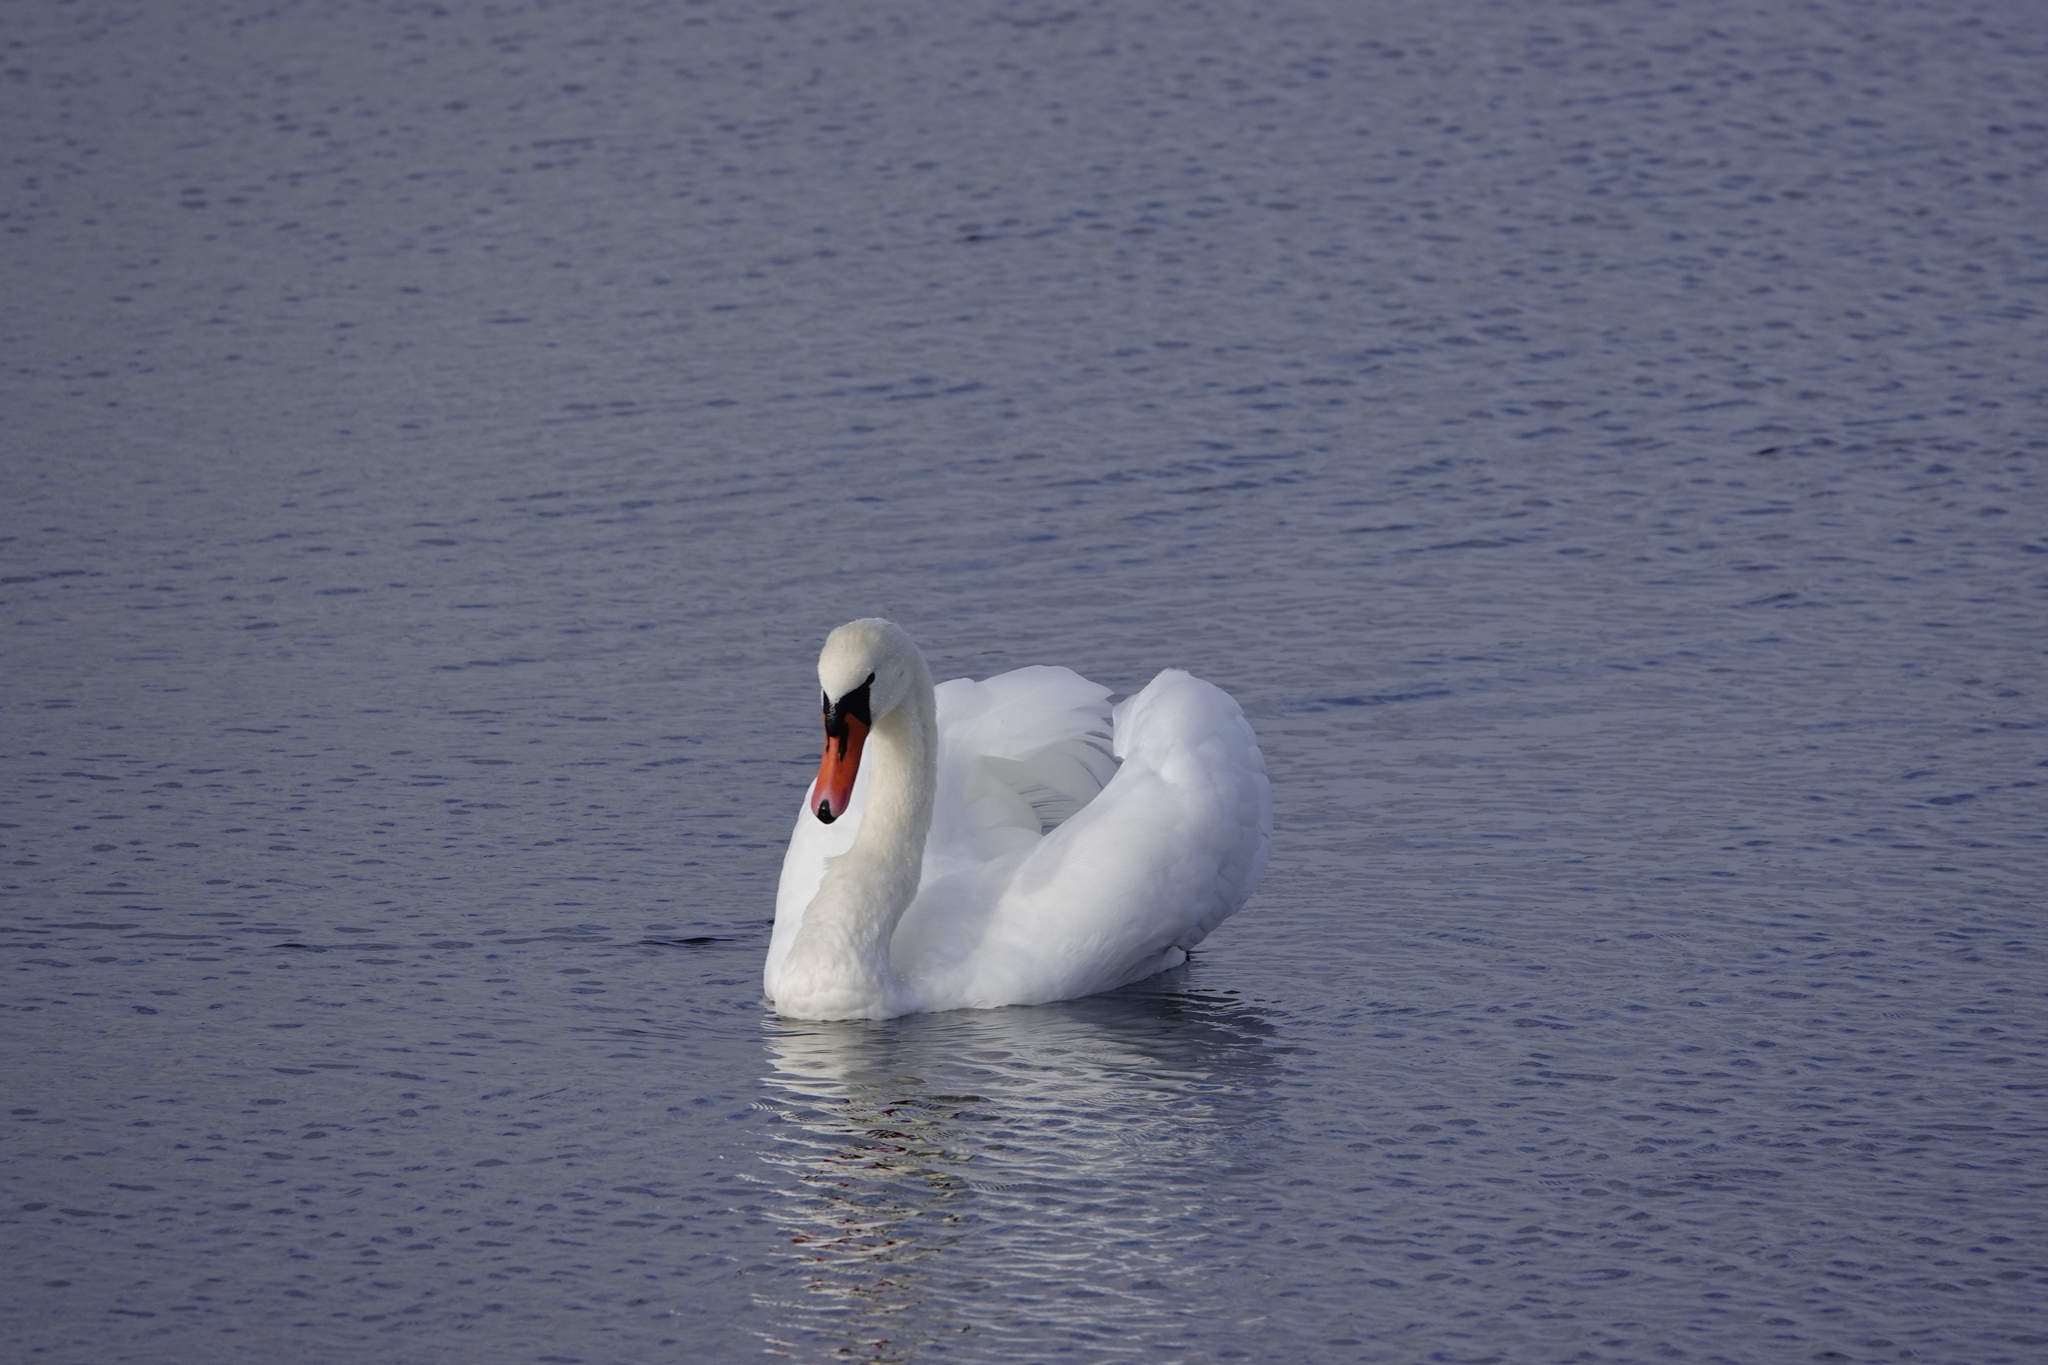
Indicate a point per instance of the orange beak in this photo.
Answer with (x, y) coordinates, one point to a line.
(840, 766)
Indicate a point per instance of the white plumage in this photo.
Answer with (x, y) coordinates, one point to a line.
(1012, 841)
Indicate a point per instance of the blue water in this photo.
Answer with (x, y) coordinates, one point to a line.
(1598, 443)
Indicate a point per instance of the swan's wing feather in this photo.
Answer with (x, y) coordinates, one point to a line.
(1018, 753)
(1057, 780)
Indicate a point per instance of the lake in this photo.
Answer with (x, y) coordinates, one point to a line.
(1598, 443)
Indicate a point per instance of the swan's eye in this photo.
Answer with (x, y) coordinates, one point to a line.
(854, 704)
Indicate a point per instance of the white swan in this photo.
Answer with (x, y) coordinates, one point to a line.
(987, 843)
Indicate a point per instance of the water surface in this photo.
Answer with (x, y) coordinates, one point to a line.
(1598, 443)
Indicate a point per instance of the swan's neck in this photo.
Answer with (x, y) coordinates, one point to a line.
(838, 967)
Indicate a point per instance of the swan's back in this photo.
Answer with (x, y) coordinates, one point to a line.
(1170, 843)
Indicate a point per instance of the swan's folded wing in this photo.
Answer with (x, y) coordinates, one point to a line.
(1194, 736)
(1172, 846)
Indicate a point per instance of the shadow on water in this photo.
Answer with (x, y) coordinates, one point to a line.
(1001, 1180)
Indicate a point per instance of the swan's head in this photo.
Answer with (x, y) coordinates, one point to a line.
(867, 669)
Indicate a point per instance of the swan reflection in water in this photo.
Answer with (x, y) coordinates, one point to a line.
(1009, 1180)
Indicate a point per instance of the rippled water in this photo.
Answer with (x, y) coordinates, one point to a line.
(1599, 443)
